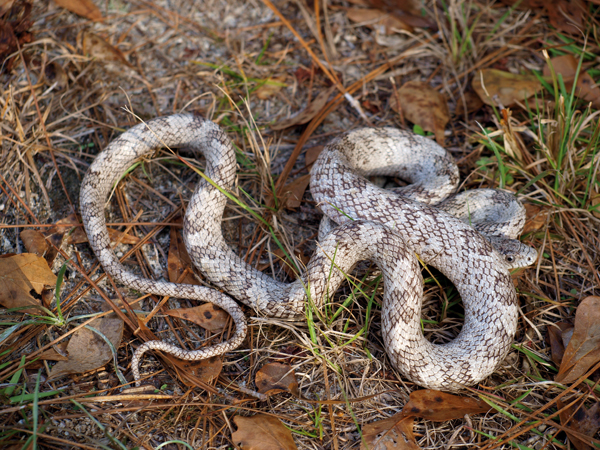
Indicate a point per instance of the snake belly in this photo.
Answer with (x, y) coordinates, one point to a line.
(385, 227)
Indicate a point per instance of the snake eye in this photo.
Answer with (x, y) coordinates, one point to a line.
(510, 258)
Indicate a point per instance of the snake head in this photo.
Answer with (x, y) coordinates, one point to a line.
(516, 254)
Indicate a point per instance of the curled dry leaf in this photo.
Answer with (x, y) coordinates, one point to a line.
(262, 432)
(423, 106)
(377, 18)
(84, 8)
(271, 87)
(556, 337)
(586, 88)
(276, 377)
(439, 406)
(581, 420)
(87, 350)
(305, 116)
(583, 350)
(98, 48)
(536, 217)
(22, 280)
(54, 74)
(496, 87)
(393, 433)
(179, 264)
(34, 242)
(293, 192)
(208, 316)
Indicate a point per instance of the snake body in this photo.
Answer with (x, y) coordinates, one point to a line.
(385, 226)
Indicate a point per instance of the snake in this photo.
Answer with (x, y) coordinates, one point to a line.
(470, 237)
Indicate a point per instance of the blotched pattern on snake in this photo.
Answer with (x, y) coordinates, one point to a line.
(387, 227)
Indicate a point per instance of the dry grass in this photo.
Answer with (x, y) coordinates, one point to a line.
(59, 107)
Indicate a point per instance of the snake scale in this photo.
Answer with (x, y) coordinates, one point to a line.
(365, 222)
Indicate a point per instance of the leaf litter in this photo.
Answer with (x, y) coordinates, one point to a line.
(88, 350)
(84, 73)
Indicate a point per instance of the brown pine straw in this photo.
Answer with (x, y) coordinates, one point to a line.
(331, 106)
(43, 124)
(506, 436)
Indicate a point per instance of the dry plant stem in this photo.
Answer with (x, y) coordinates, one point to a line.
(80, 225)
(77, 267)
(329, 74)
(331, 106)
(33, 330)
(585, 253)
(154, 8)
(42, 123)
(506, 436)
(68, 443)
(544, 420)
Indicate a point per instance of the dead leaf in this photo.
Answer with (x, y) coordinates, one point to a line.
(262, 432)
(271, 87)
(22, 279)
(423, 106)
(567, 15)
(87, 350)
(208, 316)
(14, 29)
(556, 341)
(179, 263)
(34, 242)
(595, 204)
(276, 377)
(205, 370)
(84, 8)
(496, 87)
(393, 433)
(584, 421)
(78, 236)
(293, 192)
(54, 74)
(440, 407)
(536, 217)
(583, 350)
(470, 100)
(586, 89)
(513, 144)
(377, 18)
(408, 11)
(98, 48)
(52, 355)
(306, 115)
(312, 154)
(56, 234)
